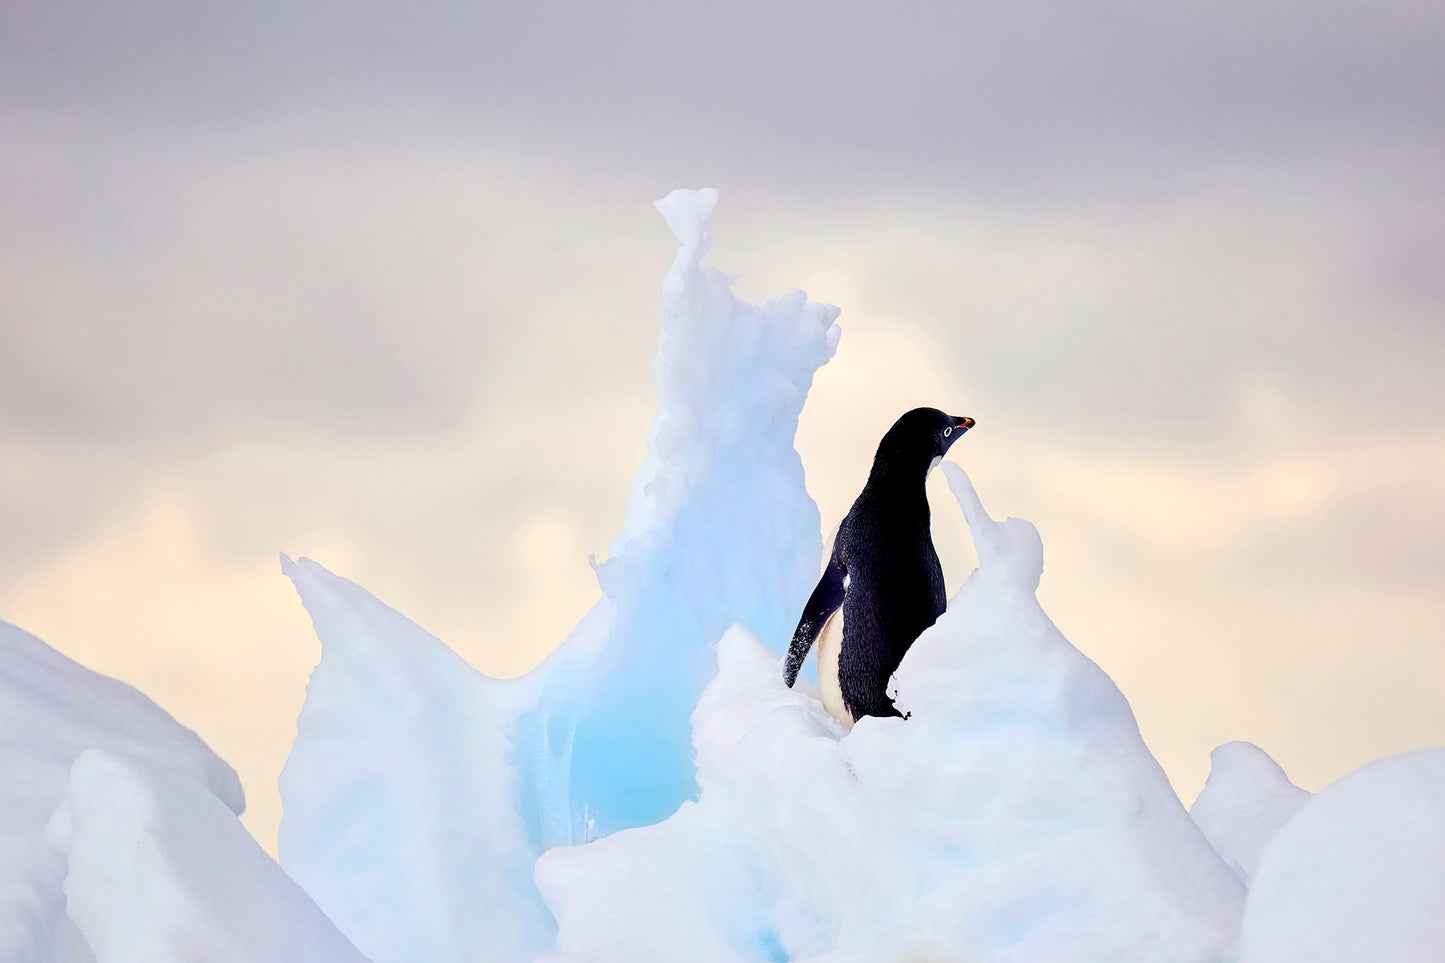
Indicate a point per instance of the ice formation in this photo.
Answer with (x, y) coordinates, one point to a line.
(1017, 815)
(719, 529)
(159, 869)
(400, 794)
(1358, 873)
(1244, 803)
(52, 710)
(412, 771)
(434, 815)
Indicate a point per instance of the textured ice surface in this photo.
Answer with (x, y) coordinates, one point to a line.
(51, 710)
(159, 869)
(1358, 873)
(720, 529)
(1243, 805)
(1017, 815)
(420, 792)
(400, 792)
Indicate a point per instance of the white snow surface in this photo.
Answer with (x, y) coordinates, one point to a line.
(159, 869)
(1245, 801)
(400, 793)
(1015, 816)
(1358, 873)
(51, 710)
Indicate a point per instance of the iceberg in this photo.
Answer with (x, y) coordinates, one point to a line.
(719, 529)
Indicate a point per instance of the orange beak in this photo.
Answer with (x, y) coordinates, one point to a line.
(967, 423)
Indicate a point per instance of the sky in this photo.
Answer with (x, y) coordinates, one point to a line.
(378, 284)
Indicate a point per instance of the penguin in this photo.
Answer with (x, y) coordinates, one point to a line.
(883, 584)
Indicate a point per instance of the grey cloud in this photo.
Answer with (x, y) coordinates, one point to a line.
(937, 90)
(339, 291)
(222, 222)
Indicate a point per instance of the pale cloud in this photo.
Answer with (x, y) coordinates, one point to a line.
(312, 288)
(1033, 92)
(220, 643)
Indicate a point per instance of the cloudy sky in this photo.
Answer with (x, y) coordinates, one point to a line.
(377, 284)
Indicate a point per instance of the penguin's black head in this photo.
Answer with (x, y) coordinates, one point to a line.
(918, 438)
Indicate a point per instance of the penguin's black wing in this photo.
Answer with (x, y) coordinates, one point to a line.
(822, 603)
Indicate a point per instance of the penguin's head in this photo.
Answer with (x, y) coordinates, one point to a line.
(920, 438)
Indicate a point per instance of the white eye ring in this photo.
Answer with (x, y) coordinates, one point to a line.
(947, 431)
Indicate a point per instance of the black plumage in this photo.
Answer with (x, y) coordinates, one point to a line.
(883, 571)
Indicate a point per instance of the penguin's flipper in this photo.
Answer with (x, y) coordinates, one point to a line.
(822, 603)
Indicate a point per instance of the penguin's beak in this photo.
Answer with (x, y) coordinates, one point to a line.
(960, 425)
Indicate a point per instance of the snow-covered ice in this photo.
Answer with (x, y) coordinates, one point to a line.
(400, 793)
(1244, 803)
(51, 710)
(159, 869)
(1017, 815)
(1358, 873)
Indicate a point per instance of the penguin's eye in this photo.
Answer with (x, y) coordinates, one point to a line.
(948, 431)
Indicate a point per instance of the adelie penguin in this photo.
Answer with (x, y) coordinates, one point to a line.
(883, 584)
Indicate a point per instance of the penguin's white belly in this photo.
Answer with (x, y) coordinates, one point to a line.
(830, 649)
